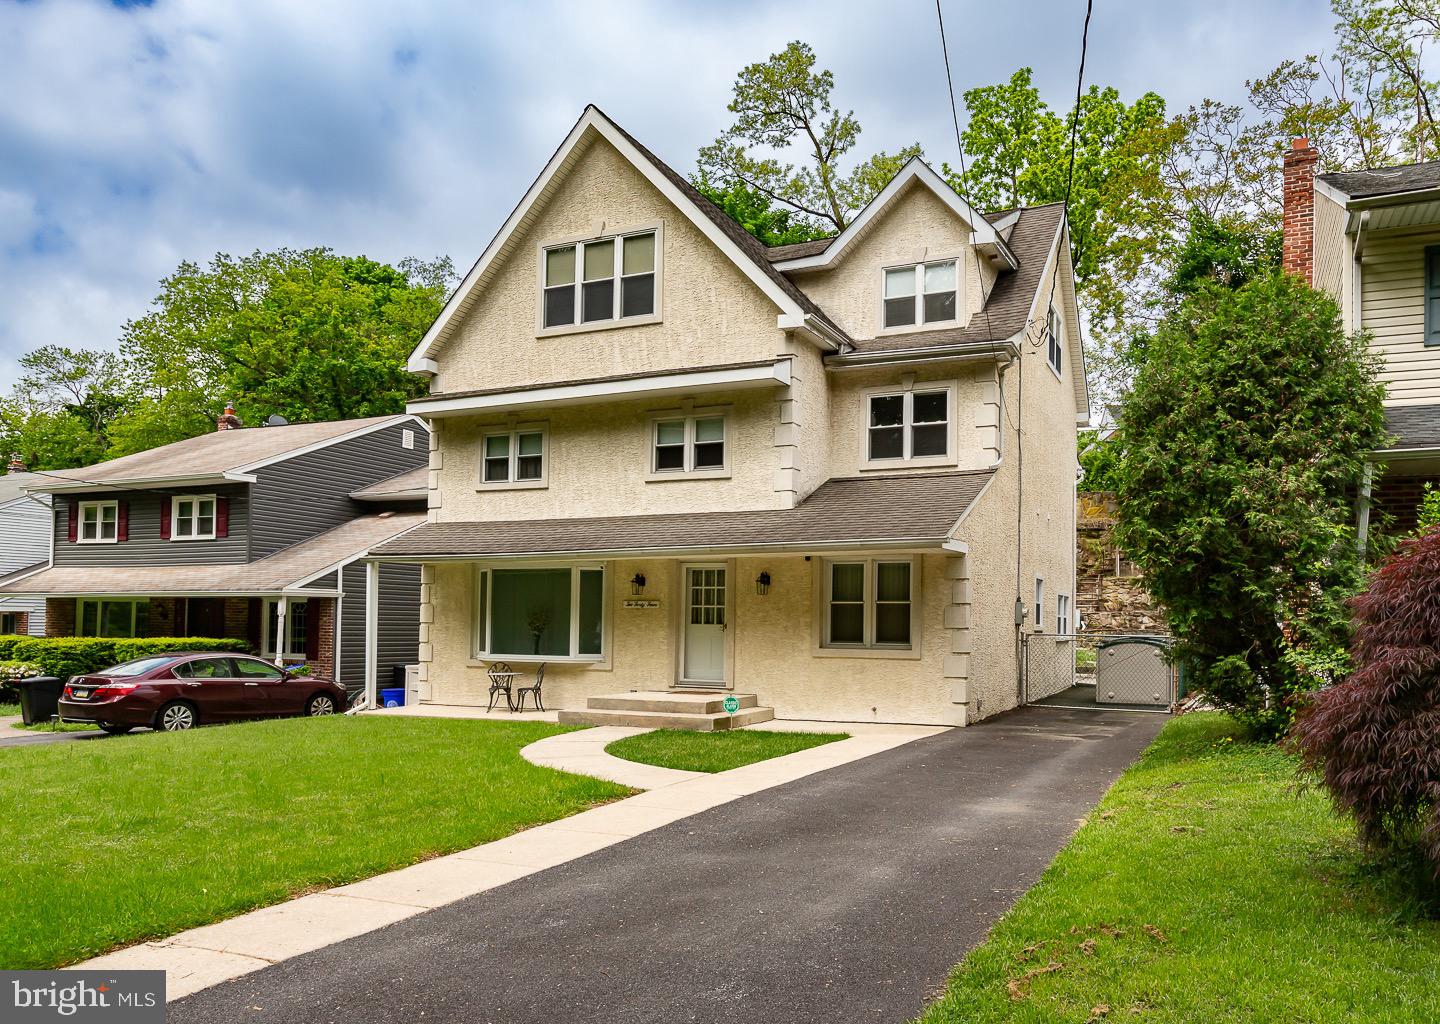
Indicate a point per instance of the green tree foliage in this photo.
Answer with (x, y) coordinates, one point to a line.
(753, 211)
(306, 334)
(1245, 438)
(1100, 459)
(781, 105)
(1230, 254)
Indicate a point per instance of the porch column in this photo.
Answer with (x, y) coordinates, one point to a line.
(372, 631)
(282, 635)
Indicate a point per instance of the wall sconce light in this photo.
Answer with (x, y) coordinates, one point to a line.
(637, 584)
(762, 584)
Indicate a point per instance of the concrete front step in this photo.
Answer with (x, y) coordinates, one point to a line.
(700, 703)
(696, 722)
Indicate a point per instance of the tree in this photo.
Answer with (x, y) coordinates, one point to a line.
(1230, 254)
(1100, 459)
(1245, 438)
(752, 211)
(1371, 737)
(783, 103)
(47, 439)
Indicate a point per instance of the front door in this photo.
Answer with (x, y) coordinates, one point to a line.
(205, 616)
(702, 661)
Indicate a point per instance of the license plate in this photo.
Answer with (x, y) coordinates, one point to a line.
(81, 694)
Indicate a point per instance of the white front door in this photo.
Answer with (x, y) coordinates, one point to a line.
(703, 656)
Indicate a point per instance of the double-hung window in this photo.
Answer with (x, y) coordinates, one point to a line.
(109, 617)
(908, 425)
(1039, 620)
(688, 445)
(1054, 353)
(1062, 615)
(923, 293)
(600, 280)
(514, 457)
(99, 523)
(869, 604)
(192, 517)
(542, 612)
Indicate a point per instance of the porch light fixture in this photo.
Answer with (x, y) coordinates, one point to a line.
(762, 584)
(637, 584)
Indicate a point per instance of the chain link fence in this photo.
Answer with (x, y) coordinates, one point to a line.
(1099, 670)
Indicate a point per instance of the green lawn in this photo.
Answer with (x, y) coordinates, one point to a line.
(54, 726)
(1205, 888)
(109, 843)
(9, 709)
(715, 751)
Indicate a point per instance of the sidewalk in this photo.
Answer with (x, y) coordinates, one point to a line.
(206, 956)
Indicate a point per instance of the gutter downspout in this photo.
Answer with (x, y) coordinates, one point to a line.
(1362, 510)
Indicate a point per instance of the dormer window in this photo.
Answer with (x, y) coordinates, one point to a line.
(923, 293)
(599, 281)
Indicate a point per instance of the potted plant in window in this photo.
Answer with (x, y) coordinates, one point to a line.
(538, 619)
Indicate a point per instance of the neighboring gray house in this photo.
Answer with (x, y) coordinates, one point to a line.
(24, 545)
(256, 534)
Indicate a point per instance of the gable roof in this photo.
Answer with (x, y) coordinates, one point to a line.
(1385, 181)
(743, 249)
(214, 457)
(13, 485)
(918, 173)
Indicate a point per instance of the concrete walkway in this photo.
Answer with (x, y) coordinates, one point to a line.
(583, 753)
(846, 895)
(206, 956)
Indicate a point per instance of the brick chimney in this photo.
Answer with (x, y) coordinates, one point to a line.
(227, 420)
(17, 463)
(1298, 248)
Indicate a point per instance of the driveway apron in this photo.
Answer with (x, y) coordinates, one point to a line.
(845, 896)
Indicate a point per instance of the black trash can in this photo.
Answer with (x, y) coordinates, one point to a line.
(39, 698)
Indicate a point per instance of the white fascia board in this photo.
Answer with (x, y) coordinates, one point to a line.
(823, 333)
(149, 483)
(1332, 193)
(856, 546)
(1052, 266)
(319, 445)
(592, 119)
(982, 231)
(693, 382)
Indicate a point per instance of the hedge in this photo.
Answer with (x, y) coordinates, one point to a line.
(67, 656)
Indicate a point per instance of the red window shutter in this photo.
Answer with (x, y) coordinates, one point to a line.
(74, 533)
(122, 520)
(164, 517)
(222, 517)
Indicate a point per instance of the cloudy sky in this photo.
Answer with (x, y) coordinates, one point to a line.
(136, 135)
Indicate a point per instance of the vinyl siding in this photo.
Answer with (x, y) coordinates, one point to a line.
(24, 541)
(144, 546)
(399, 627)
(1331, 247)
(1393, 295)
(309, 494)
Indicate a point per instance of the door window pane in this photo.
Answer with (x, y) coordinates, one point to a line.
(530, 612)
(592, 605)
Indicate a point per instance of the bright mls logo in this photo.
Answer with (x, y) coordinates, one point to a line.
(116, 997)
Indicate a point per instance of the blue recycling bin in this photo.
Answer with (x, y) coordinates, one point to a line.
(392, 697)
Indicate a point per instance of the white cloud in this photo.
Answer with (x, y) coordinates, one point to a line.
(132, 139)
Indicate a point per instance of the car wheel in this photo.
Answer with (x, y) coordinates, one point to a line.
(175, 717)
(320, 704)
(116, 730)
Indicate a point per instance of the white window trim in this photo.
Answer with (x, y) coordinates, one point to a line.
(175, 516)
(689, 472)
(100, 601)
(920, 324)
(821, 648)
(1064, 628)
(267, 642)
(480, 654)
(511, 484)
(1038, 625)
(99, 521)
(952, 447)
(654, 317)
(407, 439)
(1054, 330)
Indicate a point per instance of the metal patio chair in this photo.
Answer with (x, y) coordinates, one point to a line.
(532, 690)
(502, 678)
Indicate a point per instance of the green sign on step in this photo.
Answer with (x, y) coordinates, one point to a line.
(731, 705)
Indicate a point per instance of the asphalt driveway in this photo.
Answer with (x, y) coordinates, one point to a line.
(844, 896)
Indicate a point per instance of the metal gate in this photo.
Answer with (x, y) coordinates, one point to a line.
(1099, 671)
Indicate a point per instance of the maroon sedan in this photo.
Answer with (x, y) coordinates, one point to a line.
(179, 691)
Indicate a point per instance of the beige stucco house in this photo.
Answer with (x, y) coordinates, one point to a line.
(1371, 238)
(664, 457)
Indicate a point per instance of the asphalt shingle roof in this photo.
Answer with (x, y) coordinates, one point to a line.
(921, 508)
(1385, 181)
(1416, 426)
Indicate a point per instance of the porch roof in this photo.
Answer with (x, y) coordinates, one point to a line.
(920, 510)
(1416, 427)
(287, 571)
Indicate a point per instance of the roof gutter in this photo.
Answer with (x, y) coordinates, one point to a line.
(969, 351)
(141, 483)
(685, 551)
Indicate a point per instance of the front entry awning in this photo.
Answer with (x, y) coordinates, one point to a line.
(917, 511)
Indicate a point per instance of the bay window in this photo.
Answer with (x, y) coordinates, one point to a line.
(922, 293)
(600, 280)
(869, 603)
(542, 612)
